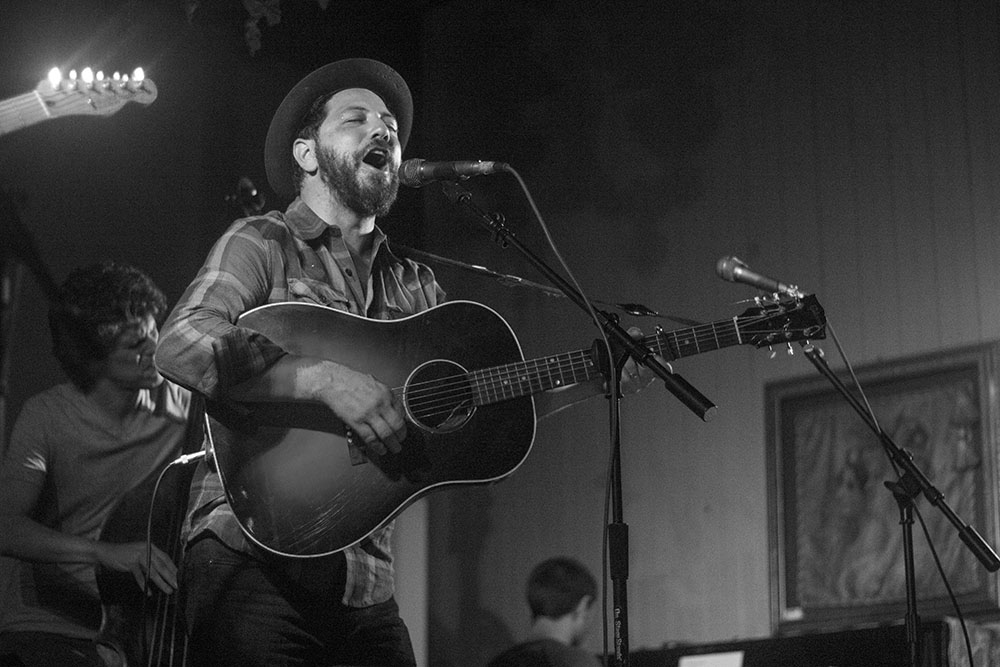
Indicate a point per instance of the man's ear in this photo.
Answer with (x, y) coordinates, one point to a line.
(304, 152)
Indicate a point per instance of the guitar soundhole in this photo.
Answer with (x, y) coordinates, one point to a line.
(438, 396)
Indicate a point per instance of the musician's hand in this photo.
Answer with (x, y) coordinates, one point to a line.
(131, 557)
(372, 412)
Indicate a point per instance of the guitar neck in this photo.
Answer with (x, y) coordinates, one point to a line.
(526, 378)
(21, 111)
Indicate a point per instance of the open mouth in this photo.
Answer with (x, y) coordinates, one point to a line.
(376, 157)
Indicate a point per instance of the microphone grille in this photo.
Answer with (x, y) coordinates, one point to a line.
(409, 172)
(726, 267)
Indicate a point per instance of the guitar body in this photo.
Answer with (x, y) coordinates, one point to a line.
(298, 486)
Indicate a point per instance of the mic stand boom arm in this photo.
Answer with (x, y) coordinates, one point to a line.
(691, 397)
(911, 483)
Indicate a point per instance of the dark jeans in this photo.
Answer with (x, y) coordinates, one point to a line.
(44, 649)
(249, 612)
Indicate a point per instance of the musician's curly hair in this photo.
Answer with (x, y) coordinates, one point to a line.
(557, 585)
(94, 305)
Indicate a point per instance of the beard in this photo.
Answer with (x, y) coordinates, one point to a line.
(343, 176)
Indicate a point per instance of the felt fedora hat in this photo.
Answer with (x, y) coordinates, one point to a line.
(340, 75)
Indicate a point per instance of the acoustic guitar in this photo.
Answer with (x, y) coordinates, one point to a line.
(300, 487)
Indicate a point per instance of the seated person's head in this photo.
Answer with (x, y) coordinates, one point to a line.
(562, 589)
(105, 325)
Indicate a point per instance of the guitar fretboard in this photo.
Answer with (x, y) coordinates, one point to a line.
(21, 111)
(501, 383)
(702, 338)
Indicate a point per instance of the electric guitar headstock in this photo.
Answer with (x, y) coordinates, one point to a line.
(86, 94)
(93, 94)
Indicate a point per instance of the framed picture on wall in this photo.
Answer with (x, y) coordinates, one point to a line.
(835, 538)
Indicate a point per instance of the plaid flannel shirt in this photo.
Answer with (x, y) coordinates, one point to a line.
(272, 258)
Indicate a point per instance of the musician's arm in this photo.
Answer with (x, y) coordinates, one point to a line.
(202, 348)
(24, 538)
(368, 407)
(22, 478)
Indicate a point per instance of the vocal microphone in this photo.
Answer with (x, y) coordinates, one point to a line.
(736, 271)
(415, 173)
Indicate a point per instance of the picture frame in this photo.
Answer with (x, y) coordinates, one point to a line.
(835, 536)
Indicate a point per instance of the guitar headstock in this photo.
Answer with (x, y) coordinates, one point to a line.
(786, 320)
(93, 94)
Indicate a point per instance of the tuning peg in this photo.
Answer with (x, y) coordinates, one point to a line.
(791, 350)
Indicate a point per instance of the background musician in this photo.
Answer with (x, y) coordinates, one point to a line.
(75, 449)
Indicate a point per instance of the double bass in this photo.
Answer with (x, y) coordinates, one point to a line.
(146, 627)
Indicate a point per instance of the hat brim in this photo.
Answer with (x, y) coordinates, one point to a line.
(340, 75)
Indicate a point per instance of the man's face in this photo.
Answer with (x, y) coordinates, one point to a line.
(358, 152)
(130, 364)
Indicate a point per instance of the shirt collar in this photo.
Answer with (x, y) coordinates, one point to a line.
(308, 226)
(303, 222)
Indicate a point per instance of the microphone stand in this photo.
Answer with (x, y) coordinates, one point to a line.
(622, 345)
(905, 490)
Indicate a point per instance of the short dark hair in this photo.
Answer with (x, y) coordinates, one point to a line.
(557, 585)
(309, 129)
(94, 305)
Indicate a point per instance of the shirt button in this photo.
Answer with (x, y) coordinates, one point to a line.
(348, 272)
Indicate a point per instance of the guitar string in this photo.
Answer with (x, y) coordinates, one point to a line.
(505, 372)
(497, 386)
(16, 106)
(516, 368)
(503, 382)
(517, 379)
(510, 381)
(680, 342)
(440, 399)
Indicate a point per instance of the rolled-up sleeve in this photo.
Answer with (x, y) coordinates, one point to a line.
(200, 346)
